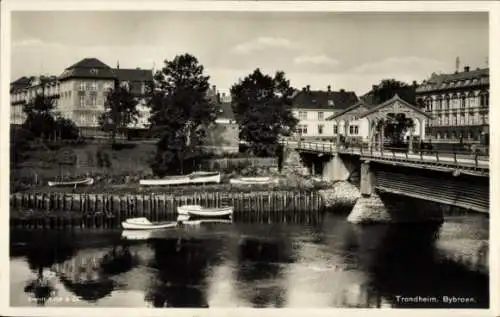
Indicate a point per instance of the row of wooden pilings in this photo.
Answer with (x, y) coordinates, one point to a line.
(50, 210)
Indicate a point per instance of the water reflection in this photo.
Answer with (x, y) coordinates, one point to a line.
(332, 264)
(88, 274)
(182, 267)
(260, 275)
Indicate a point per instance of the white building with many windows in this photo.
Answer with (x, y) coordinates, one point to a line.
(80, 92)
(458, 103)
(313, 108)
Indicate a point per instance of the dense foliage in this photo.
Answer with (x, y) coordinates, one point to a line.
(120, 110)
(181, 111)
(262, 106)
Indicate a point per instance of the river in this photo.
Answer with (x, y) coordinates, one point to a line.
(331, 264)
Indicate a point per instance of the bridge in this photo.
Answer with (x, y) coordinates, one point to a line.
(464, 162)
(457, 179)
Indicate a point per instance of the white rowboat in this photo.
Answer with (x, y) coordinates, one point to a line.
(193, 178)
(197, 210)
(86, 181)
(253, 180)
(144, 224)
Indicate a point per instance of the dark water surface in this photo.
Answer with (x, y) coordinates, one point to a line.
(332, 264)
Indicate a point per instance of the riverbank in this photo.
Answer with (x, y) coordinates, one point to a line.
(271, 206)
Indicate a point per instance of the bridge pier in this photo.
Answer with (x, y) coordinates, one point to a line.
(369, 208)
(336, 169)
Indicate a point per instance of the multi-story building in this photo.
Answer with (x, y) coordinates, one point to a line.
(81, 92)
(313, 108)
(27, 88)
(458, 103)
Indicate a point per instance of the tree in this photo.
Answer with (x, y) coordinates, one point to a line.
(40, 116)
(395, 125)
(181, 111)
(65, 129)
(262, 107)
(388, 88)
(19, 145)
(119, 111)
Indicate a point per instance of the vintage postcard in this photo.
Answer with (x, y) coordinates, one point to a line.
(220, 157)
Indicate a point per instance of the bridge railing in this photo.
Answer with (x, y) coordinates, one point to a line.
(474, 160)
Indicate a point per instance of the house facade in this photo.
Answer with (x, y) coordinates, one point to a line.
(458, 103)
(313, 108)
(223, 137)
(80, 93)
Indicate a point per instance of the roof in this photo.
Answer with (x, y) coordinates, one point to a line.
(88, 68)
(89, 63)
(224, 111)
(94, 68)
(440, 81)
(392, 100)
(134, 74)
(359, 104)
(320, 99)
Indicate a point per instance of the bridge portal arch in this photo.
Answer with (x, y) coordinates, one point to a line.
(393, 112)
(371, 122)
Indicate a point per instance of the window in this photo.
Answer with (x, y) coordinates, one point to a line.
(484, 99)
(447, 103)
(438, 135)
(321, 115)
(353, 129)
(93, 85)
(462, 119)
(302, 115)
(462, 101)
(301, 129)
(320, 129)
(82, 85)
(93, 101)
(82, 101)
(330, 103)
(335, 129)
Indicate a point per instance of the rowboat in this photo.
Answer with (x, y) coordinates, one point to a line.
(199, 211)
(143, 223)
(86, 181)
(193, 178)
(253, 180)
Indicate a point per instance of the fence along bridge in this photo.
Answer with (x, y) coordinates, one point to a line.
(462, 162)
(454, 178)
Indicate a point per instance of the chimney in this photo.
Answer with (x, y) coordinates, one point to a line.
(308, 87)
(466, 68)
(414, 83)
(218, 97)
(329, 88)
(304, 88)
(374, 87)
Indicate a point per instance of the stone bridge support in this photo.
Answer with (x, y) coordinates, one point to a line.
(338, 169)
(375, 207)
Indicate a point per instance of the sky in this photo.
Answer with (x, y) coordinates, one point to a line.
(350, 51)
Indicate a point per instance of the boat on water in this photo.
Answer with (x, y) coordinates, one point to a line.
(143, 223)
(86, 181)
(199, 177)
(199, 211)
(253, 180)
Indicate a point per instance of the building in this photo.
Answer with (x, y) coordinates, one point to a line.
(27, 88)
(354, 122)
(80, 92)
(224, 135)
(313, 108)
(458, 103)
